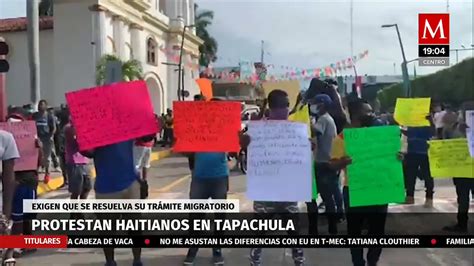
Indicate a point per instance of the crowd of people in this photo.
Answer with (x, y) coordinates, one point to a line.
(121, 168)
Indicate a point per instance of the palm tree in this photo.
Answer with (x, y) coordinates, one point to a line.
(46, 8)
(208, 49)
(131, 69)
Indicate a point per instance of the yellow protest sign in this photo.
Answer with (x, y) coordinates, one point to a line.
(412, 112)
(302, 115)
(292, 87)
(450, 158)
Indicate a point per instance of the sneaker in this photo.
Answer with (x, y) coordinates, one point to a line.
(299, 262)
(455, 228)
(218, 260)
(409, 200)
(428, 203)
(255, 263)
(189, 260)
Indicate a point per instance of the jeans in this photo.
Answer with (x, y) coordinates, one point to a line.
(418, 164)
(464, 187)
(214, 188)
(375, 217)
(327, 182)
(283, 209)
(168, 137)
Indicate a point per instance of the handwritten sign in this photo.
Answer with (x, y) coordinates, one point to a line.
(302, 116)
(206, 126)
(112, 113)
(450, 158)
(291, 87)
(412, 112)
(376, 174)
(470, 118)
(25, 138)
(279, 162)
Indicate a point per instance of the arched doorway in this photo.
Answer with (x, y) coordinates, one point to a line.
(156, 92)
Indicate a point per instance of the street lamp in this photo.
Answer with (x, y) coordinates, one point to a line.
(406, 80)
(180, 64)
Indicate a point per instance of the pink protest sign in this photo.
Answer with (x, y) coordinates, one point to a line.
(112, 113)
(25, 138)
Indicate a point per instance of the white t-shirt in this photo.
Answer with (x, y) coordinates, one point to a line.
(438, 119)
(8, 148)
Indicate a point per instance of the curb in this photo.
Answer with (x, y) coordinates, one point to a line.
(55, 183)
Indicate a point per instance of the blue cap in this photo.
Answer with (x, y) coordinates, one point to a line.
(323, 98)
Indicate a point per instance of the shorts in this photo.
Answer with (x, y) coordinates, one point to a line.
(142, 157)
(132, 192)
(79, 178)
(22, 192)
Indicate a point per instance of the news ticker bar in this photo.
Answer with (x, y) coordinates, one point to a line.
(235, 242)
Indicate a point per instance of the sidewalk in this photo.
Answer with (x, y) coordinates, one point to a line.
(57, 180)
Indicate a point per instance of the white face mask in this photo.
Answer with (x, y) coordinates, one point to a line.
(12, 120)
(314, 109)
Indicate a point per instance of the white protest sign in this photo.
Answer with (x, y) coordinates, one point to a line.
(279, 162)
(470, 131)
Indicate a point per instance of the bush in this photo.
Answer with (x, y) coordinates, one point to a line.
(453, 85)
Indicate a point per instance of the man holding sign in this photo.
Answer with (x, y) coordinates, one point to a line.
(370, 206)
(278, 103)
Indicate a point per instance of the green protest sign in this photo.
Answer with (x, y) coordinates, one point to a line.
(376, 174)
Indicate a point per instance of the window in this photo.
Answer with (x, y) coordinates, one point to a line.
(151, 51)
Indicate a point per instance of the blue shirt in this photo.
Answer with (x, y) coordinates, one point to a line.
(115, 168)
(417, 138)
(209, 165)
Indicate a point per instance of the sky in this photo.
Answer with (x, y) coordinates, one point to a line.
(316, 33)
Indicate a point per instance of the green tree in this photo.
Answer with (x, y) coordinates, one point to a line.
(208, 49)
(131, 69)
(46, 8)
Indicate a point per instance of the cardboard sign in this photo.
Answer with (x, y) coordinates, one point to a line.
(291, 87)
(450, 158)
(412, 112)
(25, 138)
(206, 126)
(205, 85)
(376, 174)
(112, 113)
(279, 162)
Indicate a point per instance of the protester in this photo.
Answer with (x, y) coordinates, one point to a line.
(210, 179)
(117, 179)
(417, 163)
(26, 185)
(142, 155)
(464, 186)
(361, 115)
(438, 121)
(278, 104)
(76, 165)
(327, 179)
(8, 154)
(55, 150)
(168, 129)
(46, 128)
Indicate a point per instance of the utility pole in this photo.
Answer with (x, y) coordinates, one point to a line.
(262, 54)
(32, 13)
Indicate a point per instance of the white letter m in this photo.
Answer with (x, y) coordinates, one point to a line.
(433, 34)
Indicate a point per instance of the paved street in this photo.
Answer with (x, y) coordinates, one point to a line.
(170, 179)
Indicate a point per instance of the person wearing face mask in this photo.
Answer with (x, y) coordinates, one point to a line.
(325, 131)
(278, 104)
(362, 115)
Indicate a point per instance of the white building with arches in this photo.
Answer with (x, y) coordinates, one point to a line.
(82, 31)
